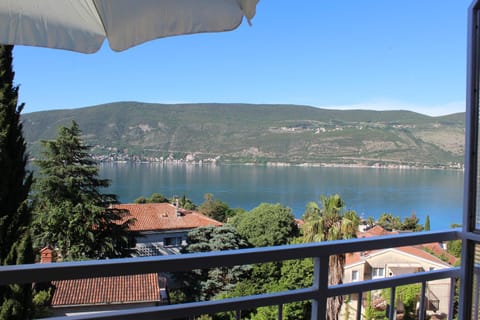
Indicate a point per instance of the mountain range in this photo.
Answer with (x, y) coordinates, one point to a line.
(257, 134)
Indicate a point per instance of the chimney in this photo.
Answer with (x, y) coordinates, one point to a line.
(46, 255)
(177, 203)
(177, 206)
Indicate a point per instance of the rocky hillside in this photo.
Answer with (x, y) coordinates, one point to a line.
(245, 133)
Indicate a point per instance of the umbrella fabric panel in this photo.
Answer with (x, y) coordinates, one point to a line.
(152, 19)
(67, 24)
(82, 25)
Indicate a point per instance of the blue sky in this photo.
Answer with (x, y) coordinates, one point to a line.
(345, 54)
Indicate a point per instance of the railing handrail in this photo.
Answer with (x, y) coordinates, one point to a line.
(30, 273)
(317, 293)
(268, 299)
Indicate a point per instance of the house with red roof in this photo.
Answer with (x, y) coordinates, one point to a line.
(388, 262)
(163, 227)
(92, 295)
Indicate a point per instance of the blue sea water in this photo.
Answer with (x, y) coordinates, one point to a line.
(368, 191)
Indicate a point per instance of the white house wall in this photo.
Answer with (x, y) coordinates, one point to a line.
(396, 262)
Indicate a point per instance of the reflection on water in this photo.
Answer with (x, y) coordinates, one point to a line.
(369, 191)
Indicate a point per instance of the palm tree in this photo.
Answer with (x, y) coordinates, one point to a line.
(331, 222)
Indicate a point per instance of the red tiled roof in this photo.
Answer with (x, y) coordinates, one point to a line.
(374, 232)
(163, 216)
(438, 250)
(418, 250)
(299, 222)
(107, 290)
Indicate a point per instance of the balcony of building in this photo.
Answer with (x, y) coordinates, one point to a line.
(318, 293)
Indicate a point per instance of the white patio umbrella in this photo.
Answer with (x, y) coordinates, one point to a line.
(83, 25)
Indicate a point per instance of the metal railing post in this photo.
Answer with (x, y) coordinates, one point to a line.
(280, 312)
(320, 283)
(451, 306)
(359, 305)
(391, 313)
(471, 161)
(421, 310)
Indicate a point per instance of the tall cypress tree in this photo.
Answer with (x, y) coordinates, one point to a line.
(427, 223)
(15, 182)
(71, 213)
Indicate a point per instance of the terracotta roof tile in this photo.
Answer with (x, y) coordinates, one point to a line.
(163, 216)
(418, 250)
(374, 232)
(107, 290)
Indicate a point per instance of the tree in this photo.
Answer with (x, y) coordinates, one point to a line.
(411, 223)
(454, 247)
(295, 274)
(407, 295)
(186, 203)
(154, 198)
(214, 208)
(15, 212)
(267, 225)
(140, 200)
(427, 223)
(331, 222)
(70, 211)
(207, 284)
(389, 222)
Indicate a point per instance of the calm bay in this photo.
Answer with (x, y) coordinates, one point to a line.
(368, 191)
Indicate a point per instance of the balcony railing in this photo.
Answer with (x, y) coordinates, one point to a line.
(317, 293)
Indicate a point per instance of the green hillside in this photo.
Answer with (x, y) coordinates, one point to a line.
(245, 133)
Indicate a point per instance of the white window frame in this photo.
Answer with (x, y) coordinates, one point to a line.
(378, 273)
(355, 275)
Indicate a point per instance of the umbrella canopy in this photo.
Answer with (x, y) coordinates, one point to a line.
(83, 25)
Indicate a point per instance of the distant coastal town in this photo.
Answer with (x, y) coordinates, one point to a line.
(193, 159)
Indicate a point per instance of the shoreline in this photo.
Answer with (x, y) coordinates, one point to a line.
(456, 167)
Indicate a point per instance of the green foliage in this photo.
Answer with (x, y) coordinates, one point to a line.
(390, 222)
(15, 182)
(331, 222)
(207, 284)
(158, 198)
(140, 200)
(296, 274)
(41, 302)
(266, 225)
(154, 198)
(186, 203)
(427, 223)
(275, 277)
(411, 223)
(215, 208)
(70, 211)
(371, 313)
(408, 295)
(454, 247)
(17, 298)
(282, 133)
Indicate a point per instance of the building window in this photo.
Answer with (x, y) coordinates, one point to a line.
(378, 273)
(355, 275)
(172, 241)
